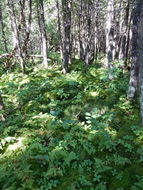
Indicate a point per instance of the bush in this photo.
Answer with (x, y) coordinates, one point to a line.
(74, 131)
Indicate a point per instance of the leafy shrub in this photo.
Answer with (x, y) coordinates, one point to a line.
(74, 131)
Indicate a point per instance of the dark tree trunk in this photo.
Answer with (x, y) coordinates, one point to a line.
(42, 27)
(127, 31)
(66, 9)
(26, 26)
(140, 34)
(134, 75)
(89, 34)
(80, 24)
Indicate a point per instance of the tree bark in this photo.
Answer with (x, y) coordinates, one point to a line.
(110, 36)
(42, 26)
(140, 41)
(66, 10)
(88, 34)
(26, 25)
(2, 28)
(15, 33)
(59, 28)
(128, 31)
(80, 24)
(134, 74)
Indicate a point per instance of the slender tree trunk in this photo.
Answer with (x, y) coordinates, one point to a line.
(96, 40)
(22, 20)
(127, 49)
(15, 33)
(80, 36)
(66, 9)
(2, 28)
(123, 30)
(110, 36)
(140, 33)
(134, 74)
(43, 32)
(128, 28)
(26, 26)
(59, 28)
(88, 35)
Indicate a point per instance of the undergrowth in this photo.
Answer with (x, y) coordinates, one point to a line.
(70, 132)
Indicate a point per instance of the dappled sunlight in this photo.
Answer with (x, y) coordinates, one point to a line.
(93, 94)
(68, 125)
(18, 145)
(71, 95)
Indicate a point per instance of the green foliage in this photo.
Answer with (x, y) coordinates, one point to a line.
(66, 132)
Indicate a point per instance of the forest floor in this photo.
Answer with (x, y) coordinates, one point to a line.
(70, 132)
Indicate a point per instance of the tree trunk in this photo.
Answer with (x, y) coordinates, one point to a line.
(43, 32)
(59, 28)
(110, 37)
(26, 26)
(80, 25)
(134, 74)
(15, 33)
(66, 9)
(96, 40)
(140, 34)
(128, 28)
(2, 28)
(124, 31)
(88, 34)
